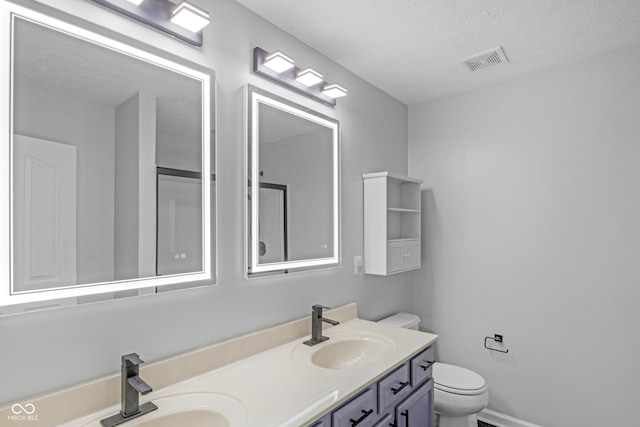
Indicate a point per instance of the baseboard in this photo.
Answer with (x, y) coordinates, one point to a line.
(501, 420)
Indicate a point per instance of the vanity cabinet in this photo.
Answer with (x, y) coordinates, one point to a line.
(392, 211)
(403, 398)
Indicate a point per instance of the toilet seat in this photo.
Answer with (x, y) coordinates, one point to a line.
(457, 380)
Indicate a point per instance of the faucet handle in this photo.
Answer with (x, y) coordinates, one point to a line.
(319, 307)
(141, 386)
(131, 359)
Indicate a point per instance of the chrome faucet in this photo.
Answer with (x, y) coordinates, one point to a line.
(132, 386)
(316, 325)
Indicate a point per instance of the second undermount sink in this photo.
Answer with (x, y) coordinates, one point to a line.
(347, 350)
(191, 409)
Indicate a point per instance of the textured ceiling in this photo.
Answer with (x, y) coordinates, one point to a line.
(411, 48)
(53, 62)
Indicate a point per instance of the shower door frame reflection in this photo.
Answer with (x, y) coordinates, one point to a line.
(172, 232)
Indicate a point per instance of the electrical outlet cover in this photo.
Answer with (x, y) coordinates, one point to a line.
(357, 265)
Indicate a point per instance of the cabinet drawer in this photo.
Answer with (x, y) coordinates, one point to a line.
(361, 411)
(393, 388)
(422, 367)
(394, 256)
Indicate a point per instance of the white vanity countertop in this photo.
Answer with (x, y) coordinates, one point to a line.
(281, 387)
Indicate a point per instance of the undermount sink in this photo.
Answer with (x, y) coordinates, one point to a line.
(191, 409)
(345, 351)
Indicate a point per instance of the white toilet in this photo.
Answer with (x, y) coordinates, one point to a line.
(459, 394)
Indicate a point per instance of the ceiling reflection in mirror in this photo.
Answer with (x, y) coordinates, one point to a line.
(294, 209)
(109, 148)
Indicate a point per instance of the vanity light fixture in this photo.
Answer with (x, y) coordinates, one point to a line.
(190, 17)
(309, 77)
(280, 68)
(184, 21)
(334, 90)
(278, 62)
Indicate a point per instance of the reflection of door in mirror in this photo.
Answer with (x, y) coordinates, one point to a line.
(273, 223)
(179, 222)
(44, 214)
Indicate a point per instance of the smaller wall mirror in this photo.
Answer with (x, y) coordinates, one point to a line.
(293, 173)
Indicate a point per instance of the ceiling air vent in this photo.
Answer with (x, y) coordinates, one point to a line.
(486, 59)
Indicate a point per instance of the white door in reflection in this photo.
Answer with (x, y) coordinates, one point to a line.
(44, 214)
(273, 223)
(179, 225)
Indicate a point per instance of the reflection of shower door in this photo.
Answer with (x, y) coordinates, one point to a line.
(179, 241)
(44, 214)
(273, 223)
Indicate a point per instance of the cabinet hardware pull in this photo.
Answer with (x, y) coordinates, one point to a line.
(429, 364)
(406, 414)
(402, 385)
(354, 423)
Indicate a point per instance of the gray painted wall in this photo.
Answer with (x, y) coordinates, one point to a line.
(48, 350)
(531, 229)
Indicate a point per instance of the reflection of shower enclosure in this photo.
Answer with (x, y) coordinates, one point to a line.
(179, 221)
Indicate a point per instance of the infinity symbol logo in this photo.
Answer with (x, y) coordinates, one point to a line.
(18, 409)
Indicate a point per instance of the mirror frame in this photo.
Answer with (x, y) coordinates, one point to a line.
(254, 97)
(8, 13)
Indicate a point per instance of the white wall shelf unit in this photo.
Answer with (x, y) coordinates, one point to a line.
(391, 223)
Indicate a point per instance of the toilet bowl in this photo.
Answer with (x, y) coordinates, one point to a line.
(459, 393)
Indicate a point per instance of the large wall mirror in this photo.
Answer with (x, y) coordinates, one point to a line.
(293, 174)
(108, 184)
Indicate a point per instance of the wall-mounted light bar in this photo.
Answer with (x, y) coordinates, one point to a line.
(281, 69)
(183, 21)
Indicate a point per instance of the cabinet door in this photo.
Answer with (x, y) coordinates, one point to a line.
(417, 410)
(411, 255)
(395, 259)
(386, 421)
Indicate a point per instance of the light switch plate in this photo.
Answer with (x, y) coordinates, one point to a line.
(357, 265)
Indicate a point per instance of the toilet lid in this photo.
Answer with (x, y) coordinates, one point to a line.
(456, 379)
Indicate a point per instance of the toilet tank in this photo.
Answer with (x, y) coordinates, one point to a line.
(402, 320)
